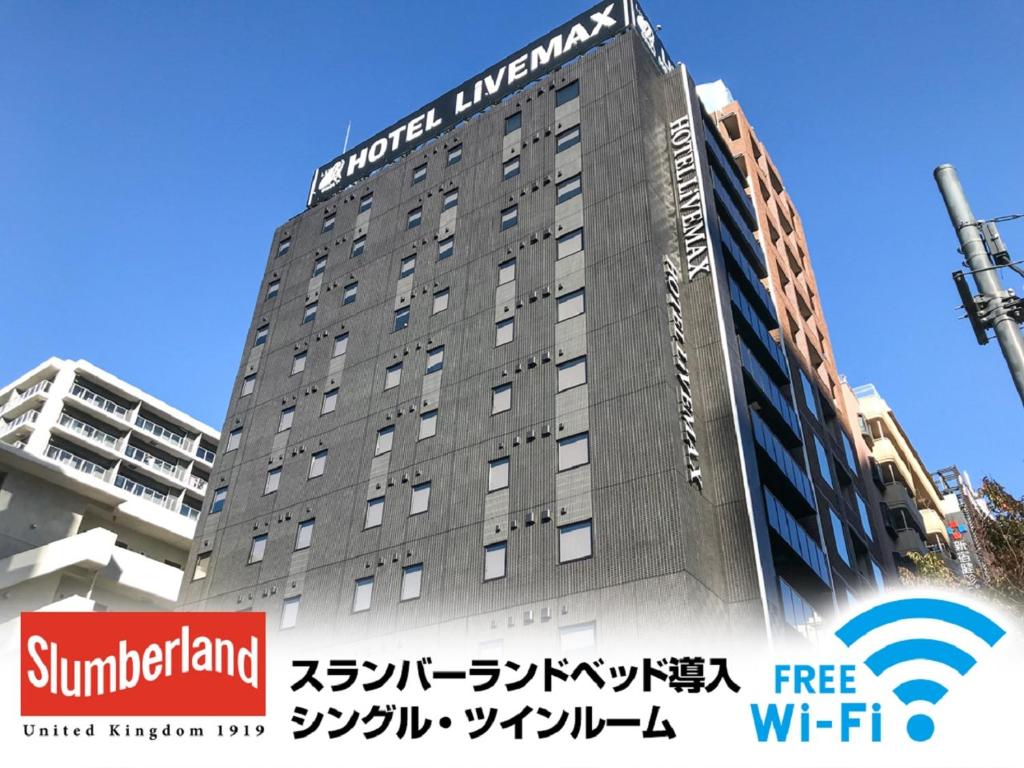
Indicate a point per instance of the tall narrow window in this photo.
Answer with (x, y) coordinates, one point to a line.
(851, 455)
(509, 217)
(202, 566)
(440, 301)
(504, 331)
(570, 243)
(428, 424)
(865, 521)
(569, 188)
(415, 217)
(839, 535)
(358, 247)
(374, 512)
(401, 319)
(575, 542)
(283, 247)
(366, 203)
(572, 373)
(259, 546)
(328, 222)
(451, 200)
(419, 173)
(412, 580)
(273, 481)
(290, 611)
(273, 288)
(330, 401)
(319, 266)
(317, 464)
(573, 451)
(454, 154)
(407, 267)
(435, 359)
(304, 534)
(340, 344)
(349, 296)
(567, 93)
(446, 248)
(506, 271)
(497, 474)
(570, 305)
(420, 499)
(510, 168)
(248, 385)
(824, 464)
(234, 440)
(220, 496)
(363, 594)
(299, 363)
(309, 314)
(385, 437)
(513, 123)
(261, 335)
(393, 376)
(566, 139)
(287, 417)
(809, 395)
(494, 560)
(501, 399)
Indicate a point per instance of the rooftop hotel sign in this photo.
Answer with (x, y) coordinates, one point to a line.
(576, 36)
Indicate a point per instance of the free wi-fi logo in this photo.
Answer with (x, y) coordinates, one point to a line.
(922, 644)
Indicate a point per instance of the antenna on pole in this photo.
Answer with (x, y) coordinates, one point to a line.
(345, 148)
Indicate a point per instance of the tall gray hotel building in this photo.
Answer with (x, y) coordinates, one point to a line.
(512, 372)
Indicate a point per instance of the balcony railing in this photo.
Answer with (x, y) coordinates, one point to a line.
(186, 510)
(206, 454)
(28, 417)
(768, 387)
(197, 483)
(18, 397)
(144, 491)
(786, 525)
(778, 453)
(76, 462)
(88, 431)
(98, 401)
(164, 433)
(770, 349)
(143, 457)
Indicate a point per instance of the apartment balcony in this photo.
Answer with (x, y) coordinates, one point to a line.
(101, 404)
(934, 525)
(28, 417)
(205, 454)
(189, 511)
(165, 468)
(69, 459)
(785, 466)
(885, 452)
(802, 543)
(88, 432)
(145, 492)
(140, 576)
(165, 435)
(34, 392)
(85, 552)
(198, 484)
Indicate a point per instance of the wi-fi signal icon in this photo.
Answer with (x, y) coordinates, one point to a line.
(920, 727)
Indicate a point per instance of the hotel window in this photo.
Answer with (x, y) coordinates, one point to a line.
(299, 363)
(349, 296)
(839, 535)
(497, 474)
(572, 373)
(234, 439)
(575, 542)
(248, 385)
(401, 319)
(420, 499)
(319, 266)
(287, 417)
(445, 248)
(220, 496)
(259, 546)
(330, 401)
(419, 173)
(366, 203)
(309, 314)
(454, 154)
(374, 512)
(261, 335)
(809, 398)
(513, 123)
(440, 301)
(412, 580)
(283, 247)
(435, 359)
(566, 139)
(428, 425)
(573, 451)
(506, 271)
(304, 534)
(501, 399)
(451, 200)
(273, 481)
(571, 304)
(865, 521)
(328, 223)
(392, 376)
(363, 595)
(577, 637)
(494, 560)
(273, 288)
(340, 344)
(358, 246)
(317, 464)
(290, 611)
(385, 437)
(851, 456)
(408, 267)
(509, 217)
(879, 578)
(202, 566)
(569, 189)
(510, 168)
(567, 93)
(415, 217)
(504, 331)
(570, 243)
(823, 461)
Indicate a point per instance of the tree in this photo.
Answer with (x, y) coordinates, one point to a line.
(1000, 543)
(929, 571)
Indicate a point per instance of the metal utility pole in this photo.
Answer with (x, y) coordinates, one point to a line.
(984, 253)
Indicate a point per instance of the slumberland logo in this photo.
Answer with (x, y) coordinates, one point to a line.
(143, 664)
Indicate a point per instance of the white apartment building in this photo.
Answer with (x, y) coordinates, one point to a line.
(100, 488)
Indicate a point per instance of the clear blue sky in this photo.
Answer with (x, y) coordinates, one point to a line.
(147, 151)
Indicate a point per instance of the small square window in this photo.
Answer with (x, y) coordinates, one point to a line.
(572, 373)
(259, 546)
(366, 203)
(330, 401)
(571, 305)
(309, 314)
(401, 319)
(501, 399)
(374, 512)
(509, 217)
(261, 335)
(202, 566)
(220, 496)
(290, 611)
(506, 271)
(412, 579)
(570, 243)
(363, 595)
(248, 385)
(349, 296)
(317, 464)
(419, 173)
(569, 188)
(273, 481)
(573, 451)
(440, 301)
(299, 363)
(304, 534)
(451, 199)
(567, 93)
(505, 331)
(428, 425)
(510, 168)
(358, 247)
(575, 542)
(340, 344)
(234, 439)
(454, 155)
(408, 267)
(446, 248)
(420, 499)
(513, 123)
(415, 217)
(273, 288)
(283, 247)
(494, 560)
(320, 266)
(385, 437)
(287, 417)
(392, 376)
(497, 474)
(328, 223)
(435, 359)
(566, 139)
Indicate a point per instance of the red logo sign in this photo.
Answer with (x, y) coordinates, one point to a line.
(143, 664)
